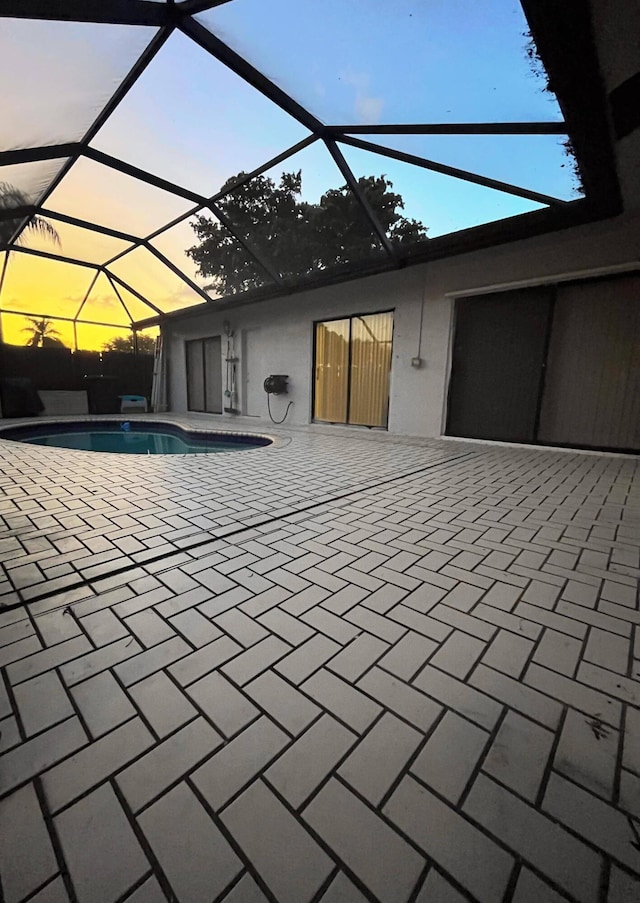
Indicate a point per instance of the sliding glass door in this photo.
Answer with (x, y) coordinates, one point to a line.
(352, 367)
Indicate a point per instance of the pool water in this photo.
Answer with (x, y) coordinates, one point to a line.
(129, 443)
(131, 438)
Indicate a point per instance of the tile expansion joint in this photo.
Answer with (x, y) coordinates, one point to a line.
(243, 529)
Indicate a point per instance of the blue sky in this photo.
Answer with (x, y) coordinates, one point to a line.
(400, 62)
(191, 120)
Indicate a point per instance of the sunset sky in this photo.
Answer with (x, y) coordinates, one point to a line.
(191, 120)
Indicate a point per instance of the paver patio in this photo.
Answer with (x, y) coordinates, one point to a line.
(346, 667)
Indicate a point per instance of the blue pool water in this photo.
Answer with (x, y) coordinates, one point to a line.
(131, 438)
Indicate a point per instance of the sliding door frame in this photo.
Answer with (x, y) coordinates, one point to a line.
(554, 288)
(553, 301)
(203, 343)
(350, 318)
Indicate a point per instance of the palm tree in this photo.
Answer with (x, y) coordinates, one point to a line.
(43, 334)
(10, 198)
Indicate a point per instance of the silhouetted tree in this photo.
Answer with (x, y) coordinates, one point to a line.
(295, 237)
(43, 334)
(146, 344)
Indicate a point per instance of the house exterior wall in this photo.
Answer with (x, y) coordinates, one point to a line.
(276, 336)
(616, 27)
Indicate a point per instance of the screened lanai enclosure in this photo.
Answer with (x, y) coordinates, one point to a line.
(162, 155)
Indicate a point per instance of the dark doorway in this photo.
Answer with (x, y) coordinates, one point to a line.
(498, 363)
(204, 375)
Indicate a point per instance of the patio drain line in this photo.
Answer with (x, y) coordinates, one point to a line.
(211, 536)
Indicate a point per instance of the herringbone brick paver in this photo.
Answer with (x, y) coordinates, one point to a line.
(342, 668)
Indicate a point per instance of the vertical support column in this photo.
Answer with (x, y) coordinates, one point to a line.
(2, 275)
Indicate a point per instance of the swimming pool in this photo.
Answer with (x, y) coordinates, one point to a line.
(130, 437)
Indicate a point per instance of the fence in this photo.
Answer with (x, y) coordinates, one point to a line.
(63, 369)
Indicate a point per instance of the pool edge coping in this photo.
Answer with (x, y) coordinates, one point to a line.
(275, 442)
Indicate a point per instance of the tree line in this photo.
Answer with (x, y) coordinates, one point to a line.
(294, 236)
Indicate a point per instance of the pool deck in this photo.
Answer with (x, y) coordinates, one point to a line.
(346, 667)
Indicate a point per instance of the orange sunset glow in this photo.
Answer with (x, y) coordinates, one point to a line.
(37, 287)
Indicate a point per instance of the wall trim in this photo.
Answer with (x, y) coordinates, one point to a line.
(630, 267)
(541, 447)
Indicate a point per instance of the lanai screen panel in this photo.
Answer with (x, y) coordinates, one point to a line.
(223, 264)
(75, 242)
(33, 283)
(175, 242)
(63, 74)
(99, 194)
(369, 61)
(301, 217)
(144, 273)
(21, 185)
(437, 203)
(533, 162)
(90, 337)
(102, 305)
(24, 330)
(28, 181)
(136, 308)
(144, 130)
(191, 120)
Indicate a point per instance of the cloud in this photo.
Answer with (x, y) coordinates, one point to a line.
(367, 107)
(105, 302)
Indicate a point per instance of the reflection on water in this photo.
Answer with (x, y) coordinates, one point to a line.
(130, 443)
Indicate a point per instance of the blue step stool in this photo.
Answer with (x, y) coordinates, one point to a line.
(130, 403)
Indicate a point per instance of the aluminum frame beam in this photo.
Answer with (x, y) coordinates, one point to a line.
(58, 258)
(222, 52)
(453, 128)
(34, 154)
(25, 313)
(111, 12)
(361, 198)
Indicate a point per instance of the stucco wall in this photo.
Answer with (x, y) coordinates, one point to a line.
(277, 336)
